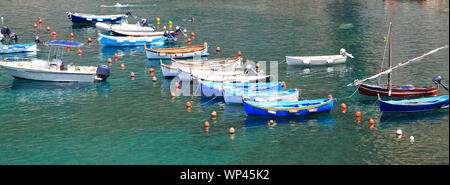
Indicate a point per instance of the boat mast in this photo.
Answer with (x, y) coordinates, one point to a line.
(389, 74)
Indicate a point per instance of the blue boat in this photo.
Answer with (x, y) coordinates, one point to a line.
(106, 40)
(17, 48)
(414, 105)
(90, 18)
(288, 108)
(216, 88)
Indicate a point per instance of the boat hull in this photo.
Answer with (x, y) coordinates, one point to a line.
(123, 26)
(260, 96)
(130, 41)
(155, 55)
(294, 108)
(48, 75)
(18, 48)
(216, 89)
(92, 19)
(321, 60)
(396, 91)
(414, 105)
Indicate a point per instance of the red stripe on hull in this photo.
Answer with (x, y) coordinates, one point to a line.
(382, 91)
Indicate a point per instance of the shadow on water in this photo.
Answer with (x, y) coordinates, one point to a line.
(19, 84)
(304, 70)
(324, 120)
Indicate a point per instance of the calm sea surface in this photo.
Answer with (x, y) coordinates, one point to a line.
(124, 121)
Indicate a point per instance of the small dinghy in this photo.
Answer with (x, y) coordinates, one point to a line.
(416, 105)
(217, 88)
(238, 96)
(17, 48)
(181, 52)
(319, 60)
(235, 79)
(175, 69)
(53, 69)
(91, 18)
(106, 40)
(288, 108)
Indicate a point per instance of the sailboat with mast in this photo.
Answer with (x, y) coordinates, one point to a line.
(389, 90)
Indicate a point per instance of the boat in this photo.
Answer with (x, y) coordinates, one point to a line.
(91, 18)
(319, 60)
(235, 79)
(189, 74)
(238, 96)
(205, 61)
(217, 88)
(53, 69)
(288, 108)
(180, 52)
(6, 33)
(17, 48)
(107, 40)
(124, 27)
(389, 90)
(175, 69)
(416, 105)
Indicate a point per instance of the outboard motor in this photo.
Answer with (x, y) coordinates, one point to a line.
(178, 29)
(5, 31)
(143, 22)
(344, 53)
(169, 35)
(249, 71)
(102, 72)
(13, 36)
(37, 40)
(437, 80)
(128, 13)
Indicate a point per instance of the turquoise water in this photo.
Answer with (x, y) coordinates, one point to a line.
(124, 121)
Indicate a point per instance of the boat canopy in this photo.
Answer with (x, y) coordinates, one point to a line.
(63, 43)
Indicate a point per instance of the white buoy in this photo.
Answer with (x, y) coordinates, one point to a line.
(411, 139)
(399, 133)
(2, 20)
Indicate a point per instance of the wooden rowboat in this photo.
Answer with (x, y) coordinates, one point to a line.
(288, 108)
(181, 52)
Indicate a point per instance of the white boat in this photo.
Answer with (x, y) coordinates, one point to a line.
(54, 70)
(319, 60)
(238, 96)
(124, 26)
(175, 69)
(234, 79)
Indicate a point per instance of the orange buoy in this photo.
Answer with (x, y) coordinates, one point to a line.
(247, 61)
(48, 28)
(40, 20)
(172, 95)
(283, 85)
(213, 114)
(330, 96)
(116, 57)
(154, 78)
(177, 85)
(343, 106)
(151, 70)
(257, 65)
(239, 53)
(89, 39)
(206, 123)
(122, 66)
(68, 48)
(192, 34)
(189, 39)
(344, 110)
(54, 34)
(371, 121)
(132, 74)
(188, 104)
(218, 49)
(71, 35)
(109, 60)
(231, 130)
(35, 26)
(358, 114)
(271, 123)
(80, 52)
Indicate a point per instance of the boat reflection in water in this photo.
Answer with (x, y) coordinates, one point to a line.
(388, 118)
(18, 56)
(323, 120)
(305, 70)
